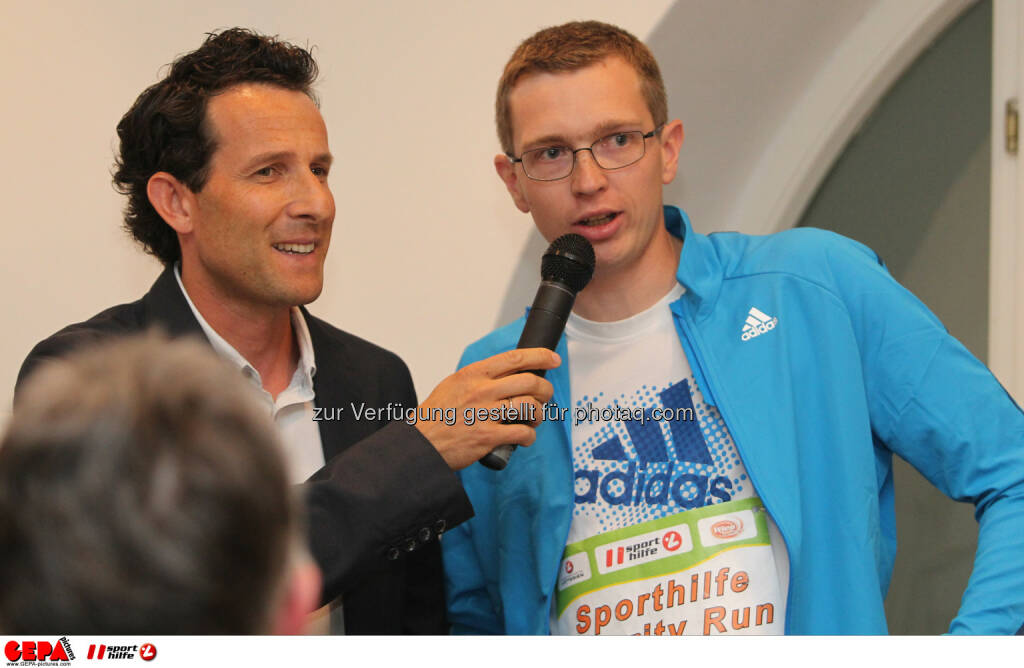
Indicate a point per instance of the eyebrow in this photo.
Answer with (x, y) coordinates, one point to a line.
(277, 156)
(600, 131)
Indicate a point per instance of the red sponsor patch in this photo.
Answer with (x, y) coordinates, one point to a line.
(729, 528)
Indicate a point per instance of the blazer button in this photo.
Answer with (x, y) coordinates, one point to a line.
(410, 545)
(393, 553)
(439, 527)
(425, 535)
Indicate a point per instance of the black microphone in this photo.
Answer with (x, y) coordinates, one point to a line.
(565, 269)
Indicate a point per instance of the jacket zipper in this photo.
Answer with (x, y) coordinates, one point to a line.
(694, 353)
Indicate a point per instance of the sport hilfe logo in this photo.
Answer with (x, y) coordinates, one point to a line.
(671, 541)
(30, 651)
(146, 652)
(643, 548)
(639, 552)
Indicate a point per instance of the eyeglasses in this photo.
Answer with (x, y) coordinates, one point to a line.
(617, 150)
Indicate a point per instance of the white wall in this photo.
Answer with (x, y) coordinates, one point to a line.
(407, 92)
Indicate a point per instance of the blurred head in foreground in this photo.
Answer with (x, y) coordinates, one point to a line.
(141, 491)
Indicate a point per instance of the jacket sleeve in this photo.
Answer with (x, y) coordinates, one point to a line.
(935, 405)
(363, 513)
(423, 605)
(470, 553)
(61, 344)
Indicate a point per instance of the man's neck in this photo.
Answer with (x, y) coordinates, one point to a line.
(261, 334)
(617, 295)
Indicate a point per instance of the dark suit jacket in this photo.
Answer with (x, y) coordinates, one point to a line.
(375, 511)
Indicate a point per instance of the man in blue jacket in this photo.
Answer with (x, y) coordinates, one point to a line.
(720, 457)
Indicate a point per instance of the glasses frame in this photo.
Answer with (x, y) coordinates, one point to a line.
(644, 135)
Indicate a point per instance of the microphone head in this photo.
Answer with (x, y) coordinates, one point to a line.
(569, 260)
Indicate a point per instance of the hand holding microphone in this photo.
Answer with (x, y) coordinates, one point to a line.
(566, 268)
(513, 380)
(498, 384)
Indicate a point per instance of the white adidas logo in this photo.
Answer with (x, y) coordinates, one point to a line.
(757, 324)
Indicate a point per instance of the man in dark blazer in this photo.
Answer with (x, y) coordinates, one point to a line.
(225, 165)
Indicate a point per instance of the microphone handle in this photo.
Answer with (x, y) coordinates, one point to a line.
(543, 329)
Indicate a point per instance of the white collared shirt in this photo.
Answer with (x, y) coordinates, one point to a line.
(293, 408)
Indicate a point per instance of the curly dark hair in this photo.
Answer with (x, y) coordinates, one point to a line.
(164, 131)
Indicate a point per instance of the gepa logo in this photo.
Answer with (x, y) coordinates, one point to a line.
(34, 651)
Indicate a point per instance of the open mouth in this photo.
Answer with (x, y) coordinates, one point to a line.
(597, 221)
(295, 249)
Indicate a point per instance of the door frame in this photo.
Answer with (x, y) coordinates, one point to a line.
(1006, 265)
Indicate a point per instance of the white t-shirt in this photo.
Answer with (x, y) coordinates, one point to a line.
(668, 536)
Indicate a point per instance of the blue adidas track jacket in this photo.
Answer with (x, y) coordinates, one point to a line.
(854, 370)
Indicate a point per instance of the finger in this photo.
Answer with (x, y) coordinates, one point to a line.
(513, 361)
(516, 434)
(489, 434)
(526, 384)
(503, 411)
(521, 409)
(528, 410)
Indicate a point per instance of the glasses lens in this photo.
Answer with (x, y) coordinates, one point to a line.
(552, 163)
(549, 163)
(619, 149)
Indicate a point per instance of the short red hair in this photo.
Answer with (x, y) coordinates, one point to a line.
(572, 46)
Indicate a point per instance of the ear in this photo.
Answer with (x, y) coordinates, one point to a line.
(301, 596)
(507, 171)
(671, 143)
(173, 200)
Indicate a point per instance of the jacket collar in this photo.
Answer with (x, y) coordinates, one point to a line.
(700, 270)
(167, 307)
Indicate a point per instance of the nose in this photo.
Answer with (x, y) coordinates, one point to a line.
(587, 176)
(312, 199)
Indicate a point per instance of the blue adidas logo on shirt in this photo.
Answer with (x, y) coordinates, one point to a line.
(649, 479)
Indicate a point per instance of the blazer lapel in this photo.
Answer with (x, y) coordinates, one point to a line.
(330, 389)
(166, 306)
